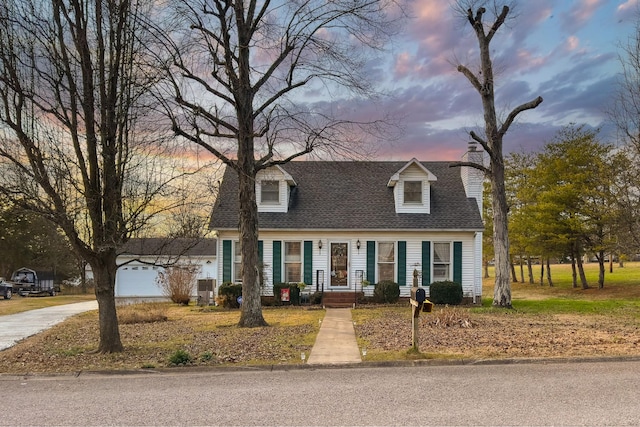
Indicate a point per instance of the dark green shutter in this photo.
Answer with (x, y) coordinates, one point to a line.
(260, 251)
(277, 261)
(426, 263)
(227, 260)
(371, 261)
(308, 262)
(457, 262)
(402, 263)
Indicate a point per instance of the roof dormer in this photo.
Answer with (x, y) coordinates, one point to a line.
(412, 188)
(273, 189)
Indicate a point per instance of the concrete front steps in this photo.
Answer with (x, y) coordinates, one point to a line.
(340, 299)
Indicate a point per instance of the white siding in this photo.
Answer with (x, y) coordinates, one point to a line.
(471, 265)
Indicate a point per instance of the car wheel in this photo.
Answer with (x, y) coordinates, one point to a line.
(8, 295)
(52, 293)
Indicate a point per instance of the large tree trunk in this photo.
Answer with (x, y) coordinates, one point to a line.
(502, 288)
(530, 268)
(574, 271)
(251, 304)
(104, 271)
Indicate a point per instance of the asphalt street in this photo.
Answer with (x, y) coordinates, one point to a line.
(576, 394)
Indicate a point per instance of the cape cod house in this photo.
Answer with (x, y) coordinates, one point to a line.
(333, 225)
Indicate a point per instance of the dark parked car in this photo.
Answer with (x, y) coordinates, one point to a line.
(6, 289)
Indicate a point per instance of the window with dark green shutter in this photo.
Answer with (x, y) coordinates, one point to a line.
(457, 262)
(371, 261)
(402, 263)
(226, 261)
(277, 261)
(308, 262)
(426, 263)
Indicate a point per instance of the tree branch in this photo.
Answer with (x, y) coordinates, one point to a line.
(471, 77)
(512, 115)
(471, 165)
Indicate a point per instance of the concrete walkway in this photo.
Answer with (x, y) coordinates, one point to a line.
(16, 327)
(336, 342)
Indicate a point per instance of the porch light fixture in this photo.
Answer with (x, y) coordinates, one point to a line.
(358, 245)
(320, 244)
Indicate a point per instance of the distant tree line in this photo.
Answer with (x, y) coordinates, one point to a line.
(576, 198)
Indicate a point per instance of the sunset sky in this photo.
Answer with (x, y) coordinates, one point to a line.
(563, 50)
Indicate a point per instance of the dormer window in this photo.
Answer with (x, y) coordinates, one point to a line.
(412, 188)
(270, 194)
(413, 192)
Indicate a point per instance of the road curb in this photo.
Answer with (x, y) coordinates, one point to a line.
(190, 370)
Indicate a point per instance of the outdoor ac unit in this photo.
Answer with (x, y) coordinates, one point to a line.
(205, 291)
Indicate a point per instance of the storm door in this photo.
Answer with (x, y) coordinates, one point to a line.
(339, 257)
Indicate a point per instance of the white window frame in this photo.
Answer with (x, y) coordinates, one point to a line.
(447, 264)
(292, 260)
(412, 202)
(263, 192)
(392, 262)
(237, 262)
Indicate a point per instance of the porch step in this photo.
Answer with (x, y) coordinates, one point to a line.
(334, 299)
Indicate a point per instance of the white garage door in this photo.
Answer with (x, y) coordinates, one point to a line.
(137, 281)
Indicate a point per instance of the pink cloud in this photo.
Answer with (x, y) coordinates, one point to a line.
(581, 13)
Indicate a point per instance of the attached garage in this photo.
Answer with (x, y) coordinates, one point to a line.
(142, 259)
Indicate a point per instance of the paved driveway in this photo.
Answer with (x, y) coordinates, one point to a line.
(16, 327)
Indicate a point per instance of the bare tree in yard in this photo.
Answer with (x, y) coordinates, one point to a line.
(235, 71)
(625, 114)
(492, 141)
(73, 147)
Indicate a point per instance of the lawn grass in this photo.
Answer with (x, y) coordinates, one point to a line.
(18, 304)
(623, 283)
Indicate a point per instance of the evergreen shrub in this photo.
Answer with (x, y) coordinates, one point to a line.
(445, 292)
(230, 293)
(386, 292)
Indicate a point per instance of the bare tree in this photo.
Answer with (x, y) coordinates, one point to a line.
(235, 72)
(625, 114)
(73, 143)
(492, 141)
(625, 110)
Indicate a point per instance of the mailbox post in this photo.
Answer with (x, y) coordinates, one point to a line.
(419, 302)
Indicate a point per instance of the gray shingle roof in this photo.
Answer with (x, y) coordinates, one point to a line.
(354, 196)
(169, 246)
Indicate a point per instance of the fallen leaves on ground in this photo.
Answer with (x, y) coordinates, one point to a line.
(212, 338)
(457, 332)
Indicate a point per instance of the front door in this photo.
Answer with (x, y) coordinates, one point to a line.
(339, 257)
